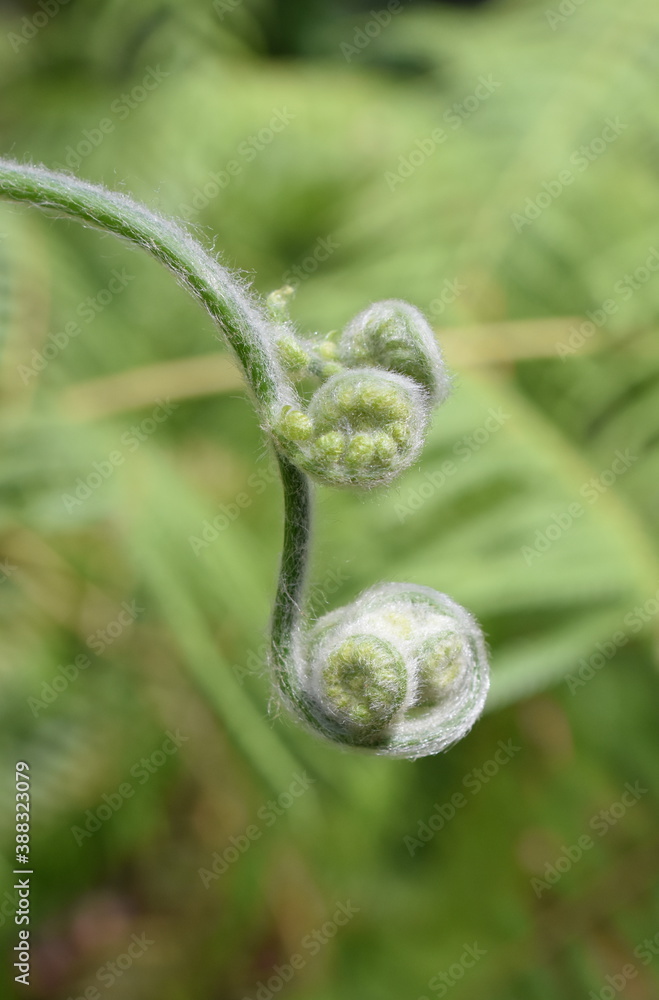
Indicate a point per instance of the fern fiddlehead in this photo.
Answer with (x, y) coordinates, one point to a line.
(402, 670)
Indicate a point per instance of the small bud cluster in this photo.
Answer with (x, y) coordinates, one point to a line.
(402, 671)
(380, 378)
(362, 428)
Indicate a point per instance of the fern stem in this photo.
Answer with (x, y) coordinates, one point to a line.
(244, 325)
(403, 670)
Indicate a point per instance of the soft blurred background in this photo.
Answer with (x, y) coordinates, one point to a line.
(496, 164)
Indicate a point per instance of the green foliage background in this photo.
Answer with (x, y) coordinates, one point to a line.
(193, 658)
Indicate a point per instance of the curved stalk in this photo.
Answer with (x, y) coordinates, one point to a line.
(403, 670)
(246, 327)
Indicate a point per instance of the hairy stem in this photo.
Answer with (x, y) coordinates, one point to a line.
(288, 608)
(245, 326)
(403, 669)
(290, 589)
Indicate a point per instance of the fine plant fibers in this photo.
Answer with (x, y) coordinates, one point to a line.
(403, 670)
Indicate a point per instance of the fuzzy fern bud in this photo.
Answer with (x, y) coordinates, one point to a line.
(365, 427)
(396, 336)
(402, 671)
